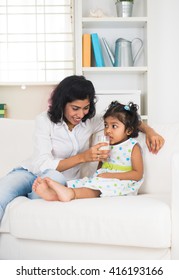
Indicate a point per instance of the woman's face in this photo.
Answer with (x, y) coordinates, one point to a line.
(76, 110)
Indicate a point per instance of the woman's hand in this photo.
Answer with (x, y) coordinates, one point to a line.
(95, 154)
(154, 141)
(90, 155)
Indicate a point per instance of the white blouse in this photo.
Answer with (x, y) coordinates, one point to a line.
(55, 142)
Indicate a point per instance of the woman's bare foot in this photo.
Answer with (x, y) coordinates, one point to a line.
(41, 188)
(64, 194)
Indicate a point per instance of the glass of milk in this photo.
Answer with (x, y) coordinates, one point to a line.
(103, 139)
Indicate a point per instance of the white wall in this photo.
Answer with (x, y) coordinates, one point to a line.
(25, 103)
(163, 62)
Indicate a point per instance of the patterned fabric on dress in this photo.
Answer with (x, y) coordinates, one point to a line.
(119, 161)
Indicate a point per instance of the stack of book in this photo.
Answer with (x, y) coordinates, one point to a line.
(91, 46)
(3, 110)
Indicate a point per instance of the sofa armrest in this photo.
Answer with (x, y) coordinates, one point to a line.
(175, 206)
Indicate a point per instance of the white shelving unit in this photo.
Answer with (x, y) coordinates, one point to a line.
(111, 27)
(114, 22)
(136, 70)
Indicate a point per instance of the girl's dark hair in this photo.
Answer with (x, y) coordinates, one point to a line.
(127, 114)
(68, 90)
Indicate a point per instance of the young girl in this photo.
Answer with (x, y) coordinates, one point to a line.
(122, 174)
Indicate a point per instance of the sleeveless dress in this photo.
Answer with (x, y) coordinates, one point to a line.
(119, 161)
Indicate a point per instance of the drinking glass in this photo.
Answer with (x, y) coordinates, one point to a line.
(103, 139)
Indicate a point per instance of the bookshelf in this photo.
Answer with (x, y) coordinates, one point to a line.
(118, 79)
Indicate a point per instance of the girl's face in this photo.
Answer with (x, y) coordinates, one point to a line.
(75, 111)
(115, 130)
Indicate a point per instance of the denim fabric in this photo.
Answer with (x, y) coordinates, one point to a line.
(19, 182)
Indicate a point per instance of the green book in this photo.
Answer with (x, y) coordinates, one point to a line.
(2, 116)
(2, 112)
(2, 106)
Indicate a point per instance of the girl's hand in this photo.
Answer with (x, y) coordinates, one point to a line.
(95, 154)
(104, 175)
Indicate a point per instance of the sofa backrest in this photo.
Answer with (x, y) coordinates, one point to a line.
(158, 170)
(16, 144)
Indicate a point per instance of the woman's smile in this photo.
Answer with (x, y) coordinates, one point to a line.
(75, 111)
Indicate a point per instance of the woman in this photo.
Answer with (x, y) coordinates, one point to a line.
(62, 140)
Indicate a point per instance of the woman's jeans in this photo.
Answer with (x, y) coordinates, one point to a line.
(19, 183)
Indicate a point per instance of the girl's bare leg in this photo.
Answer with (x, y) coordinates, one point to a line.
(41, 188)
(66, 194)
(86, 193)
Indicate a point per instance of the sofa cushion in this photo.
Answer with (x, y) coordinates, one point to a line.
(146, 223)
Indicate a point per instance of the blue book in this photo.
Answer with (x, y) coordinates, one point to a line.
(98, 55)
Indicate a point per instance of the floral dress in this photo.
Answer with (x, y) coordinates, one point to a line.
(119, 161)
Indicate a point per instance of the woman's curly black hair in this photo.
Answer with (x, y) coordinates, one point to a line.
(68, 90)
(127, 114)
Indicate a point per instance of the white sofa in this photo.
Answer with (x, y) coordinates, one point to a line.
(134, 227)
